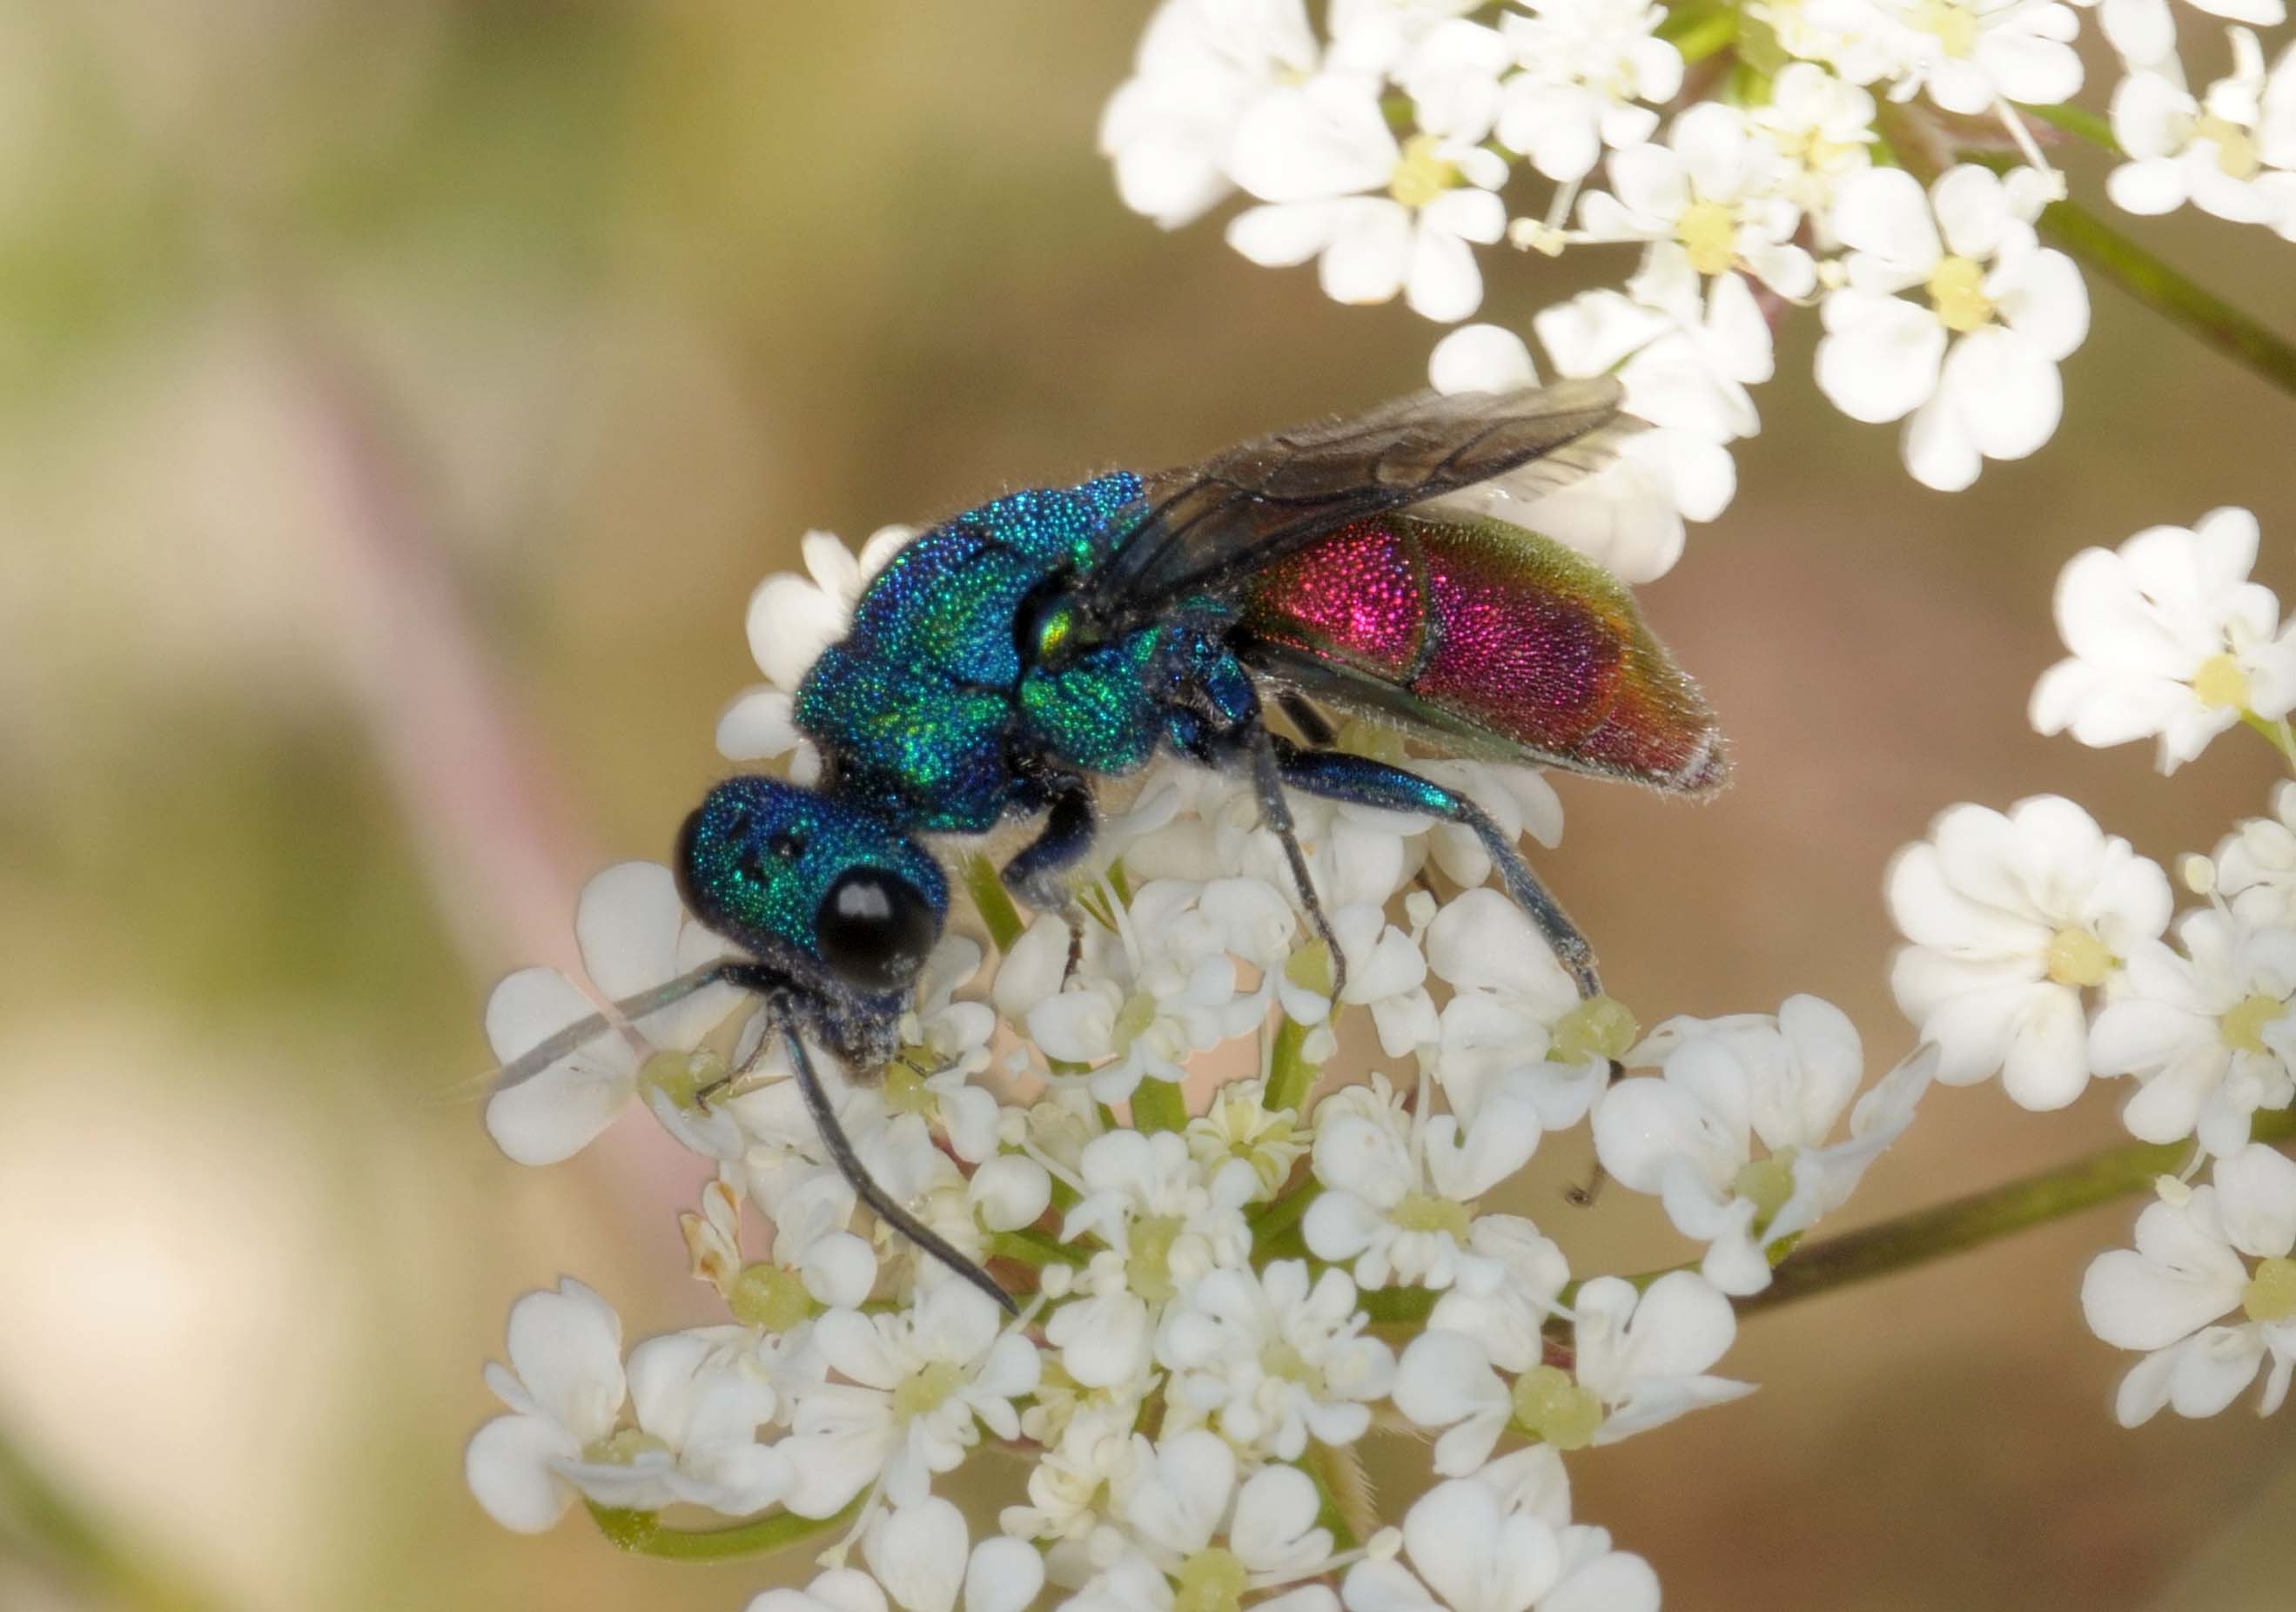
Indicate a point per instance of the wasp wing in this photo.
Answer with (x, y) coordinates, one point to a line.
(1212, 524)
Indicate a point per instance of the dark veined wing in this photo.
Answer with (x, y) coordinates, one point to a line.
(1488, 639)
(1212, 524)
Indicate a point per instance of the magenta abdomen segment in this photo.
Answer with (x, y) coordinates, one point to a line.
(1507, 633)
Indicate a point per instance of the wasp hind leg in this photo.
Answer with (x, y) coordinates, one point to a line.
(1340, 777)
(1265, 753)
(1038, 872)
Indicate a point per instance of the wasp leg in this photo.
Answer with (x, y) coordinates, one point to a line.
(1037, 873)
(1340, 777)
(1261, 748)
(1315, 731)
(839, 1149)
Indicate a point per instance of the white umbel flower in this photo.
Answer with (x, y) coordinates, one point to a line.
(1269, 1361)
(2256, 865)
(2168, 638)
(1399, 1186)
(635, 934)
(1471, 1549)
(1717, 188)
(921, 1385)
(1585, 63)
(2011, 919)
(564, 1388)
(1380, 217)
(2207, 152)
(1201, 65)
(2202, 1254)
(792, 620)
(1976, 368)
(1970, 55)
(2208, 1031)
(1691, 1136)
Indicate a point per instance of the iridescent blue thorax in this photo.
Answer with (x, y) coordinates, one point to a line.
(963, 674)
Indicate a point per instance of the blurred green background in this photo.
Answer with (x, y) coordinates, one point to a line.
(401, 397)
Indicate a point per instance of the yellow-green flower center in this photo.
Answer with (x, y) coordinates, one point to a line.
(1599, 1027)
(1954, 23)
(905, 1091)
(2078, 958)
(2220, 682)
(1957, 291)
(680, 1076)
(1132, 1020)
(923, 1392)
(1710, 232)
(1212, 1580)
(2237, 154)
(1148, 1267)
(621, 1447)
(1422, 175)
(2243, 1027)
(2270, 1295)
(1768, 1183)
(1424, 1211)
(1549, 1404)
(770, 1296)
(1281, 1360)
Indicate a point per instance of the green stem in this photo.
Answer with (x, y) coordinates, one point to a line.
(2114, 257)
(1291, 1077)
(1699, 31)
(1984, 1217)
(1037, 1248)
(1281, 1216)
(39, 1520)
(1158, 1105)
(2276, 734)
(993, 902)
(642, 1533)
(2078, 122)
(1398, 1306)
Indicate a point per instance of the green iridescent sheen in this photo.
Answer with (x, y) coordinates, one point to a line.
(758, 858)
(925, 703)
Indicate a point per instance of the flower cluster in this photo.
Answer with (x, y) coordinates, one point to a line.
(1221, 1292)
(1761, 155)
(2046, 950)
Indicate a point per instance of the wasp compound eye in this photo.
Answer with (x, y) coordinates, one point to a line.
(873, 929)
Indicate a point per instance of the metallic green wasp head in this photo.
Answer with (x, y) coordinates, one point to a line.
(814, 885)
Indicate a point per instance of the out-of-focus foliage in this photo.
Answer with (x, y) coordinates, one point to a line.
(400, 401)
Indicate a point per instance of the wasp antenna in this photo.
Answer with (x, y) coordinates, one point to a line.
(581, 1032)
(848, 1165)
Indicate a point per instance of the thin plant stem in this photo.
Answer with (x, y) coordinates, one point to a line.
(992, 900)
(1924, 1235)
(40, 1521)
(643, 1533)
(2078, 122)
(2113, 255)
(1159, 1106)
(1985, 1217)
(1291, 1077)
(2276, 733)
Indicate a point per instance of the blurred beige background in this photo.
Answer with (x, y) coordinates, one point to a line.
(398, 399)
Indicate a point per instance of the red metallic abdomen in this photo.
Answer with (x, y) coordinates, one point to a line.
(1510, 634)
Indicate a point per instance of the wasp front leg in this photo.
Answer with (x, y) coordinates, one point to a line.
(1037, 873)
